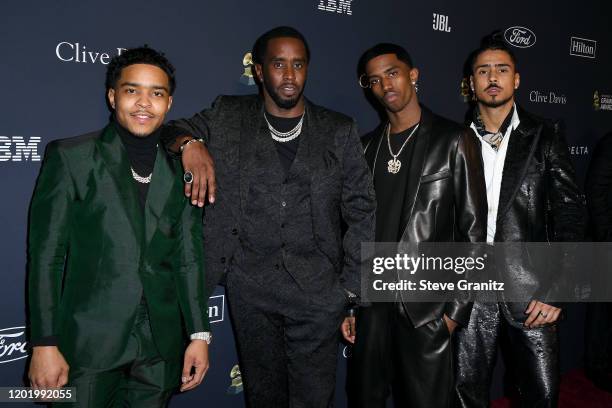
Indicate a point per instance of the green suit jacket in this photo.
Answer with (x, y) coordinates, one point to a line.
(93, 254)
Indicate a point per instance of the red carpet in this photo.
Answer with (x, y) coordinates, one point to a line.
(576, 392)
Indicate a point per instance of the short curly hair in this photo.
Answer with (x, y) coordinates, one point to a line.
(139, 55)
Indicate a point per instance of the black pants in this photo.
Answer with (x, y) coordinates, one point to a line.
(598, 339)
(287, 341)
(532, 355)
(391, 354)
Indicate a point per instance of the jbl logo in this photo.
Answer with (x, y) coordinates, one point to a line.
(440, 23)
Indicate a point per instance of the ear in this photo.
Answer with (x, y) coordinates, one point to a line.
(472, 82)
(414, 75)
(517, 80)
(169, 104)
(258, 72)
(111, 97)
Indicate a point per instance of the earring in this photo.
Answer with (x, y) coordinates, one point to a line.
(416, 86)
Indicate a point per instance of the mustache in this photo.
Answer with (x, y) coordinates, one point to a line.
(491, 86)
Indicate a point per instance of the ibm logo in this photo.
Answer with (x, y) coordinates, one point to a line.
(336, 6)
(440, 23)
(216, 308)
(14, 148)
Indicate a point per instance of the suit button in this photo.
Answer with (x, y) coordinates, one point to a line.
(234, 231)
(222, 259)
(276, 266)
(284, 204)
(283, 245)
(283, 225)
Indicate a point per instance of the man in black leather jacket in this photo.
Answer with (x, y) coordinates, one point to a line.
(429, 188)
(532, 197)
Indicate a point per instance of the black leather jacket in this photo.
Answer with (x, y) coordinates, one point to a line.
(445, 201)
(539, 199)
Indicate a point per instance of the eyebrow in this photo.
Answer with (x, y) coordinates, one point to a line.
(136, 85)
(493, 65)
(386, 71)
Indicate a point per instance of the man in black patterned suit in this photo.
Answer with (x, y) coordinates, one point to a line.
(289, 174)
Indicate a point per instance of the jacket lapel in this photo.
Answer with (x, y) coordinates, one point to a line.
(115, 158)
(250, 133)
(521, 147)
(160, 190)
(417, 162)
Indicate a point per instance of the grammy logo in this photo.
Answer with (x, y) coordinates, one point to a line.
(247, 75)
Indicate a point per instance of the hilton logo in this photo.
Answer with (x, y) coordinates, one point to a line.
(440, 23)
(216, 308)
(12, 344)
(336, 6)
(581, 47)
(14, 148)
(520, 37)
(547, 97)
(75, 52)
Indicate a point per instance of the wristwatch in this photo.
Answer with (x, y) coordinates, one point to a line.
(188, 142)
(206, 336)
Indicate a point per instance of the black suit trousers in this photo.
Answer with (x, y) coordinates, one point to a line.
(531, 354)
(287, 340)
(390, 354)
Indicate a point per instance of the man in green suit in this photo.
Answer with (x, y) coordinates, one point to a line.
(115, 254)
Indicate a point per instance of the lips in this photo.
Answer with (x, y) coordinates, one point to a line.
(390, 97)
(289, 89)
(142, 117)
(493, 90)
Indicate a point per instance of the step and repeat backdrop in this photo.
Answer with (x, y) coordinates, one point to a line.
(54, 57)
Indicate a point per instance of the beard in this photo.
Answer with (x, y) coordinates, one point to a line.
(283, 103)
(494, 103)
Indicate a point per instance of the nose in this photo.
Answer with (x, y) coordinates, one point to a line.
(289, 73)
(143, 101)
(386, 83)
(492, 76)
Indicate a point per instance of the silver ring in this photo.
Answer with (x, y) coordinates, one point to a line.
(188, 177)
(544, 315)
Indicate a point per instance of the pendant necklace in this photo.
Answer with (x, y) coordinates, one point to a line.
(394, 165)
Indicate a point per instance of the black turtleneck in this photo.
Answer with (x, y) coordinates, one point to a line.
(141, 152)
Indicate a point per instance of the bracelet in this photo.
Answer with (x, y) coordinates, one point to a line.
(188, 142)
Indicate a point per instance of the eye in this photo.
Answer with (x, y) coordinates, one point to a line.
(298, 65)
(130, 91)
(393, 73)
(503, 70)
(158, 93)
(482, 72)
(278, 65)
(374, 81)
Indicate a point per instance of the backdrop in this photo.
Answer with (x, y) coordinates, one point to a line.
(54, 57)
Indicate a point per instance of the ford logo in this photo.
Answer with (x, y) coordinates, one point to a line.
(520, 37)
(12, 344)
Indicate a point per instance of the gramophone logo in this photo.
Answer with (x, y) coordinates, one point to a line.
(247, 75)
(602, 101)
(236, 384)
(465, 90)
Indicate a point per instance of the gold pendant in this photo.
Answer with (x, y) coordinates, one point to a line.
(393, 166)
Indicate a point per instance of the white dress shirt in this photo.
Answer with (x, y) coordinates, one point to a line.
(493, 169)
